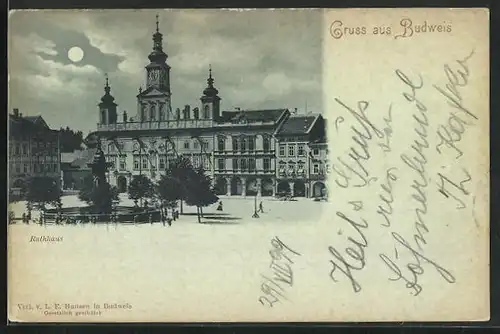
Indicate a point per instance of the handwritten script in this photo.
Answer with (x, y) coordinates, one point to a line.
(280, 275)
(409, 176)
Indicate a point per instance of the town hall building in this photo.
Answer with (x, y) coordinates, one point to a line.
(239, 149)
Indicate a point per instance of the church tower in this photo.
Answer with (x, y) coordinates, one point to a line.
(107, 107)
(210, 101)
(154, 101)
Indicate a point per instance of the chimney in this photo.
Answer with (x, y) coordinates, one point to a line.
(16, 112)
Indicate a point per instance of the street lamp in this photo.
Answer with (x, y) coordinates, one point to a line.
(255, 213)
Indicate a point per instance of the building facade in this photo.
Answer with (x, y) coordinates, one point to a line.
(236, 148)
(33, 150)
(296, 174)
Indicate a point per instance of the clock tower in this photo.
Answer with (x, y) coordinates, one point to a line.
(154, 101)
(158, 71)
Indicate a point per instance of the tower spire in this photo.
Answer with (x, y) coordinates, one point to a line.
(107, 97)
(157, 55)
(210, 90)
(210, 80)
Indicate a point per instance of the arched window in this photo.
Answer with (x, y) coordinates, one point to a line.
(235, 144)
(152, 113)
(221, 144)
(196, 113)
(243, 144)
(206, 112)
(244, 164)
(251, 143)
(103, 116)
(143, 113)
(161, 108)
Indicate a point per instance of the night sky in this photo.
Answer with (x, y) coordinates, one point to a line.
(260, 59)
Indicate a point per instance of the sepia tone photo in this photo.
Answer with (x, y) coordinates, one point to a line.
(248, 165)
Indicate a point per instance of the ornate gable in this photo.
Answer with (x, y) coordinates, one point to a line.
(152, 92)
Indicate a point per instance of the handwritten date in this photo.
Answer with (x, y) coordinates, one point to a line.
(282, 275)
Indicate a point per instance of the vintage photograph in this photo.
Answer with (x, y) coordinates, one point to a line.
(233, 165)
(183, 126)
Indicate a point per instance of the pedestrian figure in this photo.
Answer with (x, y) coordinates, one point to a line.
(169, 221)
(261, 207)
(24, 218)
(150, 218)
(219, 208)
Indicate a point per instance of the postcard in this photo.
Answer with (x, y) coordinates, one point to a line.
(261, 165)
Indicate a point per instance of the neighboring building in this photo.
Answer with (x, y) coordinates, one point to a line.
(244, 157)
(74, 168)
(237, 148)
(33, 150)
(319, 164)
(295, 163)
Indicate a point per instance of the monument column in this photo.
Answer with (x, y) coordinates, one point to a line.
(228, 186)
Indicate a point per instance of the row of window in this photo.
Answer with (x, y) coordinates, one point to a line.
(301, 150)
(37, 168)
(244, 143)
(23, 149)
(244, 164)
(145, 163)
(196, 144)
(239, 144)
(186, 113)
(299, 168)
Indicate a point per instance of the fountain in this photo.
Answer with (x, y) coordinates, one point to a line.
(102, 208)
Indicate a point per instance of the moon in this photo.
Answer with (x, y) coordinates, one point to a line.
(75, 54)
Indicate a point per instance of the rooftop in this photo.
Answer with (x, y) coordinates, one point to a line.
(20, 125)
(250, 116)
(297, 125)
